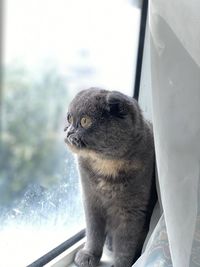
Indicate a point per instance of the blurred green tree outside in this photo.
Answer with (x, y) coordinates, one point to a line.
(36, 169)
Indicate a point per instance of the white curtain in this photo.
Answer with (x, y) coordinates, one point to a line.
(175, 81)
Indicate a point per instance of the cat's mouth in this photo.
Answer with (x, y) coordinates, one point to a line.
(73, 140)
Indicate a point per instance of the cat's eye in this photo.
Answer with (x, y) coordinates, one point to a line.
(86, 122)
(70, 119)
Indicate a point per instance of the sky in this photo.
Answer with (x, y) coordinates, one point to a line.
(39, 32)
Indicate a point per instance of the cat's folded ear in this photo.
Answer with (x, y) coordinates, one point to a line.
(117, 104)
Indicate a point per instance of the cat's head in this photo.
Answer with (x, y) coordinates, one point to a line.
(101, 121)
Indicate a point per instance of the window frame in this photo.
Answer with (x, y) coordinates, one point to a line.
(143, 23)
(43, 260)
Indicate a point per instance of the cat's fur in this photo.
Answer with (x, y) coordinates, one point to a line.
(116, 161)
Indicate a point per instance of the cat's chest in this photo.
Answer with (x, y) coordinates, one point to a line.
(104, 167)
(115, 200)
(107, 190)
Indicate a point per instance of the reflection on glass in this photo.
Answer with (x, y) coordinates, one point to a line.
(52, 49)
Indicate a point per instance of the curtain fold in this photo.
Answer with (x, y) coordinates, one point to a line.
(175, 82)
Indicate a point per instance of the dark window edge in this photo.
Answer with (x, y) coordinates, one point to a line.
(58, 250)
(143, 22)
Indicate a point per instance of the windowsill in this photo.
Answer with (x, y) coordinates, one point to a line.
(66, 258)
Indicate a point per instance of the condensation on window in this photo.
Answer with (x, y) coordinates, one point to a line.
(51, 50)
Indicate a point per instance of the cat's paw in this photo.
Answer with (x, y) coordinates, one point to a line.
(86, 259)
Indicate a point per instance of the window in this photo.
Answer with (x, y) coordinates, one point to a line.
(51, 50)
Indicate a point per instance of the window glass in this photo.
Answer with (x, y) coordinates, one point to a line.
(51, 50)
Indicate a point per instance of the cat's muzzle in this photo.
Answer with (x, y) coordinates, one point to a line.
(72, 139)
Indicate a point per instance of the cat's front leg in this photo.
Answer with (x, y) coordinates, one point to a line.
(90, 255)
(127, 243)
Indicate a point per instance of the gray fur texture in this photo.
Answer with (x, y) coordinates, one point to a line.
(115, 154)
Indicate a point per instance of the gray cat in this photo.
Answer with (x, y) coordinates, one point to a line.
(115, 151)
